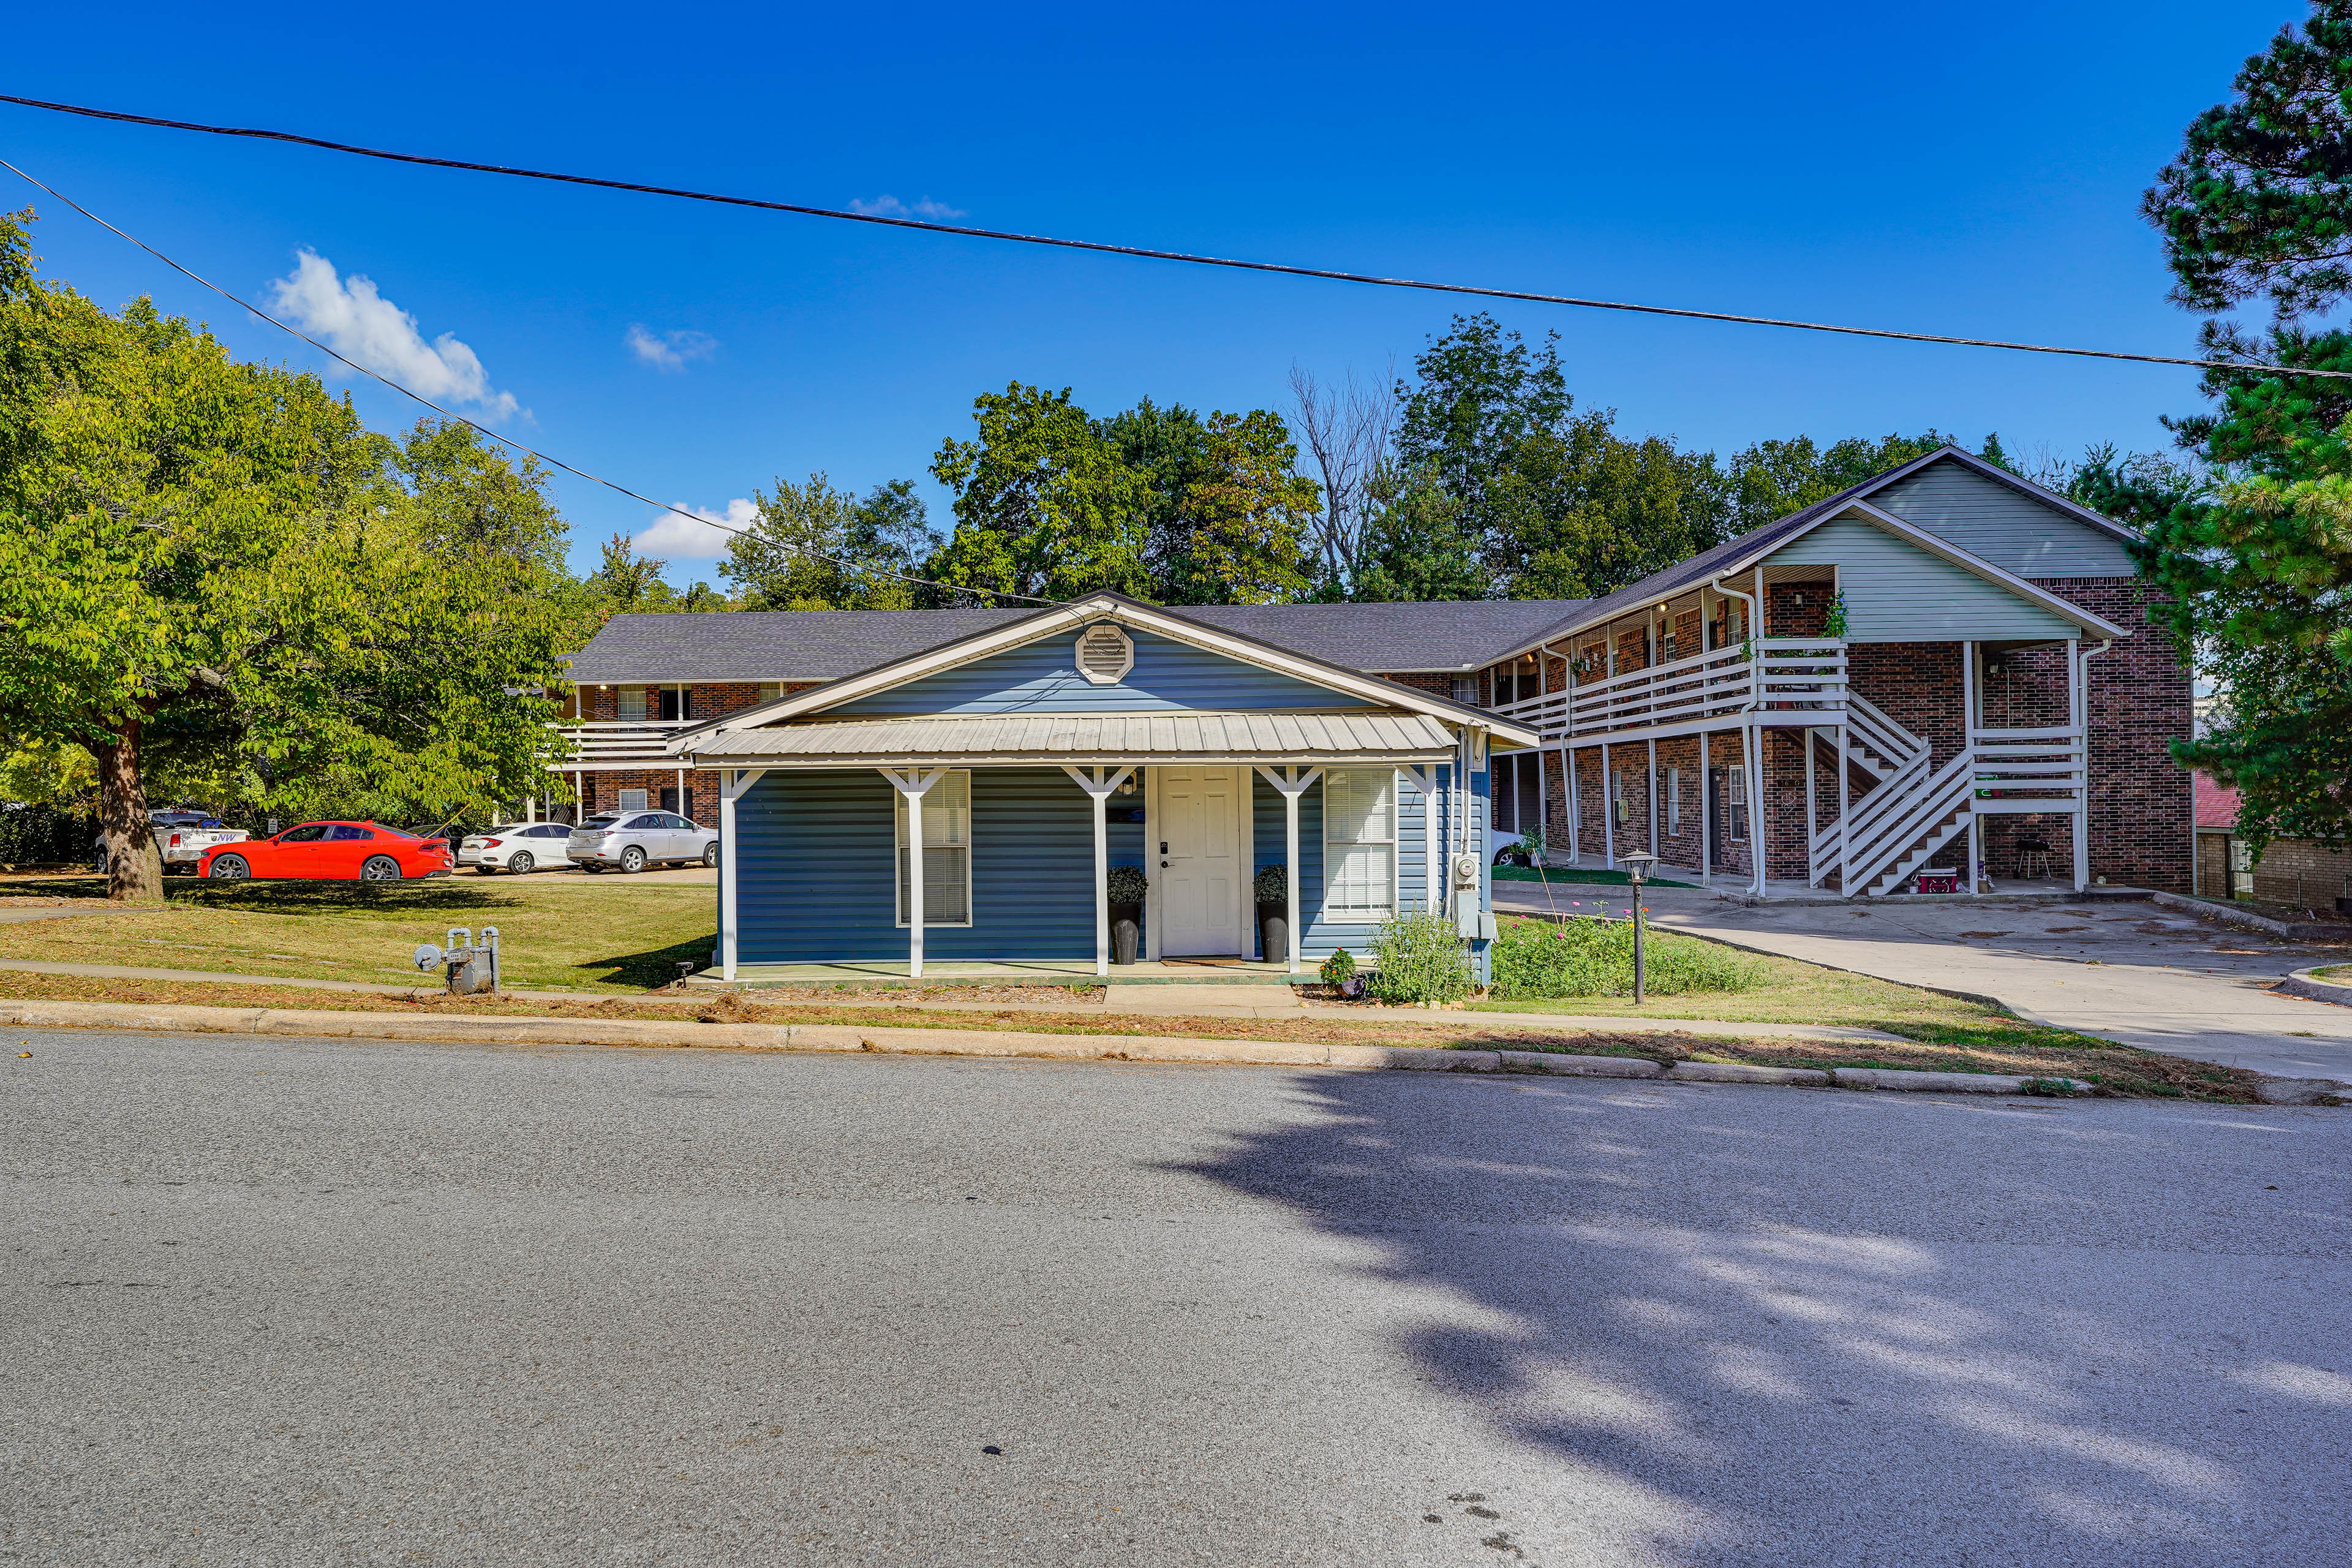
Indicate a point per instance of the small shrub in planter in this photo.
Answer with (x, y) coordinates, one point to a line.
(1338, 968)
(1420, 957)
(1126, 884)
(1271, 886)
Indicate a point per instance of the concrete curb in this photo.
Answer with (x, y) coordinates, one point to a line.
(2290, 930)
(325, 1024)
(2307, 985)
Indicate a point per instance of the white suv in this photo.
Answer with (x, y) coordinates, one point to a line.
(636, 840)
(516, 846)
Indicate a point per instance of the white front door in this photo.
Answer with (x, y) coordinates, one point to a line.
(1202, 870)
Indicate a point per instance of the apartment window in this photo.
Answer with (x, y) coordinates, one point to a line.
(947, 851)
(1738, 795)
(1617, 794)
(1674, 803)
(633, 799)
(770, 689)
(1465, 689)
(1360, 844)
(633, 702)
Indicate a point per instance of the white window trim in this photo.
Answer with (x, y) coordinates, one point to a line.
(1674, 803)
(898, 845)
(1357, 914)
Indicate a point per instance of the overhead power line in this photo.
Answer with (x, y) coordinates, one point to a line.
(1146, 253)
(503, 440)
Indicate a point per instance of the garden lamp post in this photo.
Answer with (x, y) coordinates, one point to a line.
(1637, 869)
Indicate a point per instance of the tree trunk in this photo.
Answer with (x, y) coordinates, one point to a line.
(134, 866)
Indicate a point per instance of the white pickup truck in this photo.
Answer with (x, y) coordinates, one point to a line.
(181, 838)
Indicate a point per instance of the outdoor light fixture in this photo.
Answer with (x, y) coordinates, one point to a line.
(1637, 870)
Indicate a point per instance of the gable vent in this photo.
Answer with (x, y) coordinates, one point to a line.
(1104, 654)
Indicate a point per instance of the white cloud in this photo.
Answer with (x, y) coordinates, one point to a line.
(891, 206)
(369, 329)
(695, 538)
(669, 352)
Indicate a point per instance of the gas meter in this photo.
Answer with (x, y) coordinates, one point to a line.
(472, 967)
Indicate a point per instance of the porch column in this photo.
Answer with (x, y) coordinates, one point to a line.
(731, 785)
(2078, 714)
(681, 793)
(912, 786)
(1706, 815)
(1845, 883)
(1753, 759)
(1970, 722)
(1813, 823)
(1608, 810)
(1575, 806)
(1100, 789)
(1653, 799)
(1291, 788)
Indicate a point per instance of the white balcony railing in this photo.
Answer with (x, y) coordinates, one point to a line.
(629, 741)
(1780, 673)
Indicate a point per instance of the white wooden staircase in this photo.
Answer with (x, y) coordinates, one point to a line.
(1906, 813)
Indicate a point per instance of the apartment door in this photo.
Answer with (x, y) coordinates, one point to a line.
(1202, 870)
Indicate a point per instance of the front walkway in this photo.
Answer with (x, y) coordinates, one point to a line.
(2123, 969)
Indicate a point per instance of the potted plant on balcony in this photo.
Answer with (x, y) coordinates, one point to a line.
(1272, 890)
(1127, 886)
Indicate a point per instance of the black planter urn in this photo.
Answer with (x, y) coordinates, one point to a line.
(1125, 930)
(1274, 931)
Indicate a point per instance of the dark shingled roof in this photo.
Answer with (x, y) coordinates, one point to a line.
(825, 645)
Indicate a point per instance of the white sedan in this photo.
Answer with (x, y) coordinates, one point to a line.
(516, 846)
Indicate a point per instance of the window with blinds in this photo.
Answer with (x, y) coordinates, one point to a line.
(947, 851)
(1360, 844)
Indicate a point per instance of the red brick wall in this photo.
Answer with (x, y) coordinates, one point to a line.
(2143, 812)
(1920, 686)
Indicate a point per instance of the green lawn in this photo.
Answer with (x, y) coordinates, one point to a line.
(612, 934)
(1559, 878)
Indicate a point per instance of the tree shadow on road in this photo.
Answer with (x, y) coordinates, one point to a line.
(1772, 1326)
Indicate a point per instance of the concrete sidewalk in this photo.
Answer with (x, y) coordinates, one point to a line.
(2128, 971)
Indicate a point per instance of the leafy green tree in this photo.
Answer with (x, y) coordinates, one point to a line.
(1478, 393)
(1581, 511)
(1772, 478)
(216, 557)
(1227, 513)
(1418, 541)
(2253, 558)
(2256, 202)
(1044, 506)
(628, 582)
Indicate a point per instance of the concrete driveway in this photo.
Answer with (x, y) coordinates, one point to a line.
(303, 1303)
(2126, 970)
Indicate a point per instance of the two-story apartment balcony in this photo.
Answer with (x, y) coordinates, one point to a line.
(1695, 692)
(631, 743)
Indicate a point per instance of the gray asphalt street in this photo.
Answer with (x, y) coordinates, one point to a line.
(274, 1303)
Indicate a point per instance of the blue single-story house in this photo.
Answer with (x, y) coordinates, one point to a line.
(1035, 754)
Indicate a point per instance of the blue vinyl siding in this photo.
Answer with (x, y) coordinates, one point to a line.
(817, 872)
(1042, 678)
(1318, 936)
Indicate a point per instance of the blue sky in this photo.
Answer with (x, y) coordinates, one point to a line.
(1972, 173)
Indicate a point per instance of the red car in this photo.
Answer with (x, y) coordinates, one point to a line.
(366, 851)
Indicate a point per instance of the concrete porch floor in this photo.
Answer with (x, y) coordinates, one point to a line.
(1065, 972)
(1736, 884)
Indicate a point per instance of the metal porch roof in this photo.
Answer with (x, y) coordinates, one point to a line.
(1007, 739)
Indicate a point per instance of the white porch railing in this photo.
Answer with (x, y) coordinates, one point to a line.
(1774, 673)
(2028, 770)
(630, 741)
